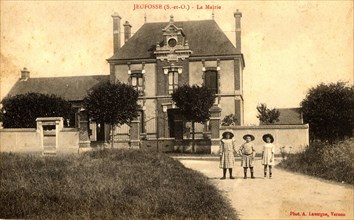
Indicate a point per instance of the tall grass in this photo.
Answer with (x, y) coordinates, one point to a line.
(109, 184)
(328, 161)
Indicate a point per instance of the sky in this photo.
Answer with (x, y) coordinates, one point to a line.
(288, 46)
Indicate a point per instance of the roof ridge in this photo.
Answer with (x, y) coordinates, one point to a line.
(51, 77)
(290, 107)
(163, 22)
(68, 87)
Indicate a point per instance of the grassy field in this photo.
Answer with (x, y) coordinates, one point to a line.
(328, 161)
(109, 184)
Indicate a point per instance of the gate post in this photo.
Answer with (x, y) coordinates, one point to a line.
(134, 132)
(84, 140)
(215, 128)
(49, 128)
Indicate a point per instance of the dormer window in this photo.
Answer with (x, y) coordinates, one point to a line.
(175, 45)
(137, 81)
(172, 42)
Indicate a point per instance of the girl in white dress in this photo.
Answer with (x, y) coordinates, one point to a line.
(268, 154)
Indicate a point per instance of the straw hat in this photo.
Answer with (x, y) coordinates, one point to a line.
(228, 132)
(248, 135)
(270, 136)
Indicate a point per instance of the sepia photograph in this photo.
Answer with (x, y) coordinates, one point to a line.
(177, 109)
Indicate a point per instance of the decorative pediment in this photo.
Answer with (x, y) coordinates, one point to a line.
(175, 45)
(172, 29)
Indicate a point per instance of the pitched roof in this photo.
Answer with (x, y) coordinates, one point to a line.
(290, 116)
(204, 38)
(73, 88)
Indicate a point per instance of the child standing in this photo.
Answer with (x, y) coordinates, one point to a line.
(227, 149)
(248, 154)
(268, 154)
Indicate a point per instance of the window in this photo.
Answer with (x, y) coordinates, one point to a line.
(211, 80)
(142, 121)
(172, 81)
(138, 83)
(172, 42)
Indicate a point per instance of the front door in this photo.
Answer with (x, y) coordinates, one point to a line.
(100, 131)
(175, 123)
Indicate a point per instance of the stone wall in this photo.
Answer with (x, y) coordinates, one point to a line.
(177, 146)
(291, 138)
(28, 140)
(68, 141)
(20, 140)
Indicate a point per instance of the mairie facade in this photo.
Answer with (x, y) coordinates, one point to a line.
(162, 56)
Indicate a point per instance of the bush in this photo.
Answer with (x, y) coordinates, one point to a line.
(21, 111)
(114, 104)
(194, 103)
(267, 116)
(108, 184)
(229, 120)
(329, 110)
(328, 161)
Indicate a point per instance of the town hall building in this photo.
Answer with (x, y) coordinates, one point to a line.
(162, 56)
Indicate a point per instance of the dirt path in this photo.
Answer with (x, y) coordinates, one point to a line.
(282, 197)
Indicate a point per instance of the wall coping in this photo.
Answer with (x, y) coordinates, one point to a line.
(49, 119)
(69, 130)
(158, 139)
(304, 126)
(34, 130)
(173, 139)
(18, 130)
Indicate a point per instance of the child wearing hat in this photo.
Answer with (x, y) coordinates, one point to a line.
(248, 154)
(227, 149)
(268, 154)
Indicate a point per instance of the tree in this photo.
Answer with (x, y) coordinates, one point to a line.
(329, 110)
(21, 111)
(229, 120)
(266, 115)
(112, 103)
(194, 103)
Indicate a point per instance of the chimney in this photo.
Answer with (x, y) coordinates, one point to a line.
(25, 74)
(127, 31)
(238, 16)
(116, 32)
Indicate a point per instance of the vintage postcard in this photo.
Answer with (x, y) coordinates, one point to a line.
(248, 53)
